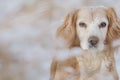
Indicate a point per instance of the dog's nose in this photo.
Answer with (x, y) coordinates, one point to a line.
(93, 40)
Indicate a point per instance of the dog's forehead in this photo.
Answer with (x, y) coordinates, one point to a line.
(91, 13)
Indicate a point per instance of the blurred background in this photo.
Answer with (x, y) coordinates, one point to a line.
(27, 30)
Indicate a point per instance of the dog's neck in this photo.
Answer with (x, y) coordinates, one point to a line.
(95, 61)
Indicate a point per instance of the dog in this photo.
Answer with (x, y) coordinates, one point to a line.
(93, 29)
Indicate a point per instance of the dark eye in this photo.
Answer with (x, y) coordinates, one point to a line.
(102, 25)
(82, 24)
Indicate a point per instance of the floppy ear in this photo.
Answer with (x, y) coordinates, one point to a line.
(114, 25)
(67, 31)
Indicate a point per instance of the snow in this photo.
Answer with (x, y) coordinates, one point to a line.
(27, 33)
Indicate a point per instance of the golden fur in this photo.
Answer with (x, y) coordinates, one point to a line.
(87, 66)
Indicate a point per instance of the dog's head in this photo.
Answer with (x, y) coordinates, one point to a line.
(90, 28)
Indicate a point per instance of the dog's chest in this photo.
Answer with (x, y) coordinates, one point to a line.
(94, 65)
(89, 64)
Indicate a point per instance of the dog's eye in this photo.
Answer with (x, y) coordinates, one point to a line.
(82, 24)
(102, 25)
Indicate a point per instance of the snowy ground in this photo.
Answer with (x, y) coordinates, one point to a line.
(27, 40)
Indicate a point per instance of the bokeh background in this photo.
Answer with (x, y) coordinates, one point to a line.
(27, 35)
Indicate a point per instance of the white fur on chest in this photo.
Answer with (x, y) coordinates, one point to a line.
(95, 66)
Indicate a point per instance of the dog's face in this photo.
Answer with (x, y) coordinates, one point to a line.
(90, 28)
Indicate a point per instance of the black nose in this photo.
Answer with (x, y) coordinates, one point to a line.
(93, 40)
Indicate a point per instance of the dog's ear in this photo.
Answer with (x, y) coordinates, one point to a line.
(114, 25)
(67, 31)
